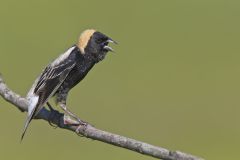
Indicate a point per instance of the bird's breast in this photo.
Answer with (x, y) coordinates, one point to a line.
(75, 76)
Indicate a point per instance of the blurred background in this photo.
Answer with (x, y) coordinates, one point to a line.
(173, 82)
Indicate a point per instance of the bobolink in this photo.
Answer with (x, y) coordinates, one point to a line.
(60, 76)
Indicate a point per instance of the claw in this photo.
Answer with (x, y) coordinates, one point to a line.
(84, 125)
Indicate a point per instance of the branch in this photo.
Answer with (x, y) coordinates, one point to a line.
(91, 132)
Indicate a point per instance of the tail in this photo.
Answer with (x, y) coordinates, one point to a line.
(33, 100)
(28, 120)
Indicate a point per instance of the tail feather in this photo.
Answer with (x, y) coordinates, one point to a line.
(33, 101)
(28, 120)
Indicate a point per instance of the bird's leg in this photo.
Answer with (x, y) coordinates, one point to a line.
(64, 107)
(51, 114)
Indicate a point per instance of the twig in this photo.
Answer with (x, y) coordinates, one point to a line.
(91, 132)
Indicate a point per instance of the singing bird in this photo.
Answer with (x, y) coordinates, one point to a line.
(65, 72)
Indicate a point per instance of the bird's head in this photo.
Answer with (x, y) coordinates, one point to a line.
(95, 44)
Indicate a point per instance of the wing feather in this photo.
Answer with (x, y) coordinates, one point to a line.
(48, 82)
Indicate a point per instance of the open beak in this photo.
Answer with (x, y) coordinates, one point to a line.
(108, 48)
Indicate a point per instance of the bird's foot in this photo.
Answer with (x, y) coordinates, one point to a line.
(81, 125)
(68, 120)
(81, 128)
(80, 122)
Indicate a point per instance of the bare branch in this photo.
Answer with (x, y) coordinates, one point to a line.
(91, 132)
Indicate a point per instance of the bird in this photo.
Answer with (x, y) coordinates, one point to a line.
(65, 72)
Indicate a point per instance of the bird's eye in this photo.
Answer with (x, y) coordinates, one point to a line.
(104, 44)
(99, 41)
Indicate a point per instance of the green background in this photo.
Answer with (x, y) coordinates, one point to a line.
(173, 82)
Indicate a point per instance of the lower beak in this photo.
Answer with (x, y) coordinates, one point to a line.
(108, 48)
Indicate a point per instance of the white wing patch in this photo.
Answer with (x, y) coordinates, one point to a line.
(32, 101)
(62, 57)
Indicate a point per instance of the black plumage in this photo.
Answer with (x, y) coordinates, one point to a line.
(83, 65)
(65, 72)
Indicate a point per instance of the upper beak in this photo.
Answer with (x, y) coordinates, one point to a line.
(111, 41)
(108, 48)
